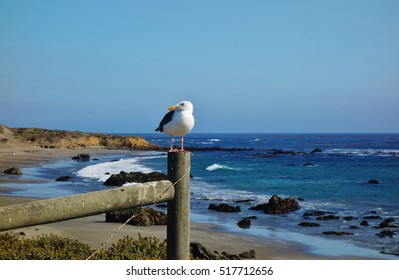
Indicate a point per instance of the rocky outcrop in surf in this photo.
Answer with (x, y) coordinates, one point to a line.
(278, 205)
(224, 208)
(134, 177)
(13, 171)
(142, 217)
(198, 251)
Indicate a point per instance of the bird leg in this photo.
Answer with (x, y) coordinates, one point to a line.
(181, 141)
(171, 145)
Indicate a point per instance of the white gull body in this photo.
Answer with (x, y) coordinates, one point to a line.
(178, 122)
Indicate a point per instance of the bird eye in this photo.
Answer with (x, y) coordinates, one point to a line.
(182, 104)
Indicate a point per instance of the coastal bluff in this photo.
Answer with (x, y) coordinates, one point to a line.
(48, 138)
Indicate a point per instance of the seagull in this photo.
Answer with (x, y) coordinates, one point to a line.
(178, 122)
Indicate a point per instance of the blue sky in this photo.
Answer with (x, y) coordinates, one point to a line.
(247, 66)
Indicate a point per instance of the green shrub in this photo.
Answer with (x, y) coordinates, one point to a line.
(144, 248)
(45, 247)
(53, 247)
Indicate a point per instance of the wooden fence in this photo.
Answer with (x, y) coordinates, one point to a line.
(175, 191)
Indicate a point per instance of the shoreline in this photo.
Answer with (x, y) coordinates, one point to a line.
(94, 231)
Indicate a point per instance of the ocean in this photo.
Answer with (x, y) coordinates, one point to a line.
(324, 172)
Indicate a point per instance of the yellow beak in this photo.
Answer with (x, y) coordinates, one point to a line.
(171, 108)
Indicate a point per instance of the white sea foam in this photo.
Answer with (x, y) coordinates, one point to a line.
(97, 171)
(205, 191)
(216, 166)
(210, 141)
(364, 152)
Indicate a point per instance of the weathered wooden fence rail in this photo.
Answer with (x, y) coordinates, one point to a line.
(81, 205)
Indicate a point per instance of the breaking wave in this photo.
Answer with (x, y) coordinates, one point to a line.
(102, 171)
(364, 152)
(216, 166)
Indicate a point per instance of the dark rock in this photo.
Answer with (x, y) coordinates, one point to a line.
(308, 164)
(134, 177)
(275, 153)
(386, 223)
(82, 157)
(244, 201)
(300, 199)
(198, 251)
(372, 217)
(337, 233)
(224, 208)
(144, 217)
(317, 150)
(282, 152)
(277, 205)
(248, 254)
(386, 233)
(251, 218)
(391, 251)
(327, 218)
(259, 207)
(364, 223)
(307, 224)
(63, 178)
(244, 223)
(13, 171)
(314, 213)
(373, 181)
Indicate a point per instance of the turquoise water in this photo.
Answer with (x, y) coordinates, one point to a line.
(335, 182)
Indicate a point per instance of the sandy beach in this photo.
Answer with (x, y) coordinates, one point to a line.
(94, 231)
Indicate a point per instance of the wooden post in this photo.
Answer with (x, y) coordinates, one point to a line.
(178, 231)
(82, 205)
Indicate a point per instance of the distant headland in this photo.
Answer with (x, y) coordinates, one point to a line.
(49, 138)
